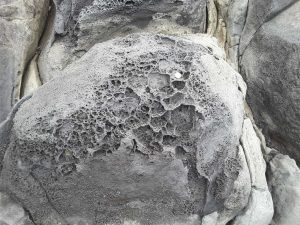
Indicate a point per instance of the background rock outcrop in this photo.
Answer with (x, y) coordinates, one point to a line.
(270, 67)
(226, 21)
(75, 26)
(21, 24)
(265, 50)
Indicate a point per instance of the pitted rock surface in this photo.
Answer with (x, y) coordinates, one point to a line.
(143, 128)
(89, 22)
(79, 24)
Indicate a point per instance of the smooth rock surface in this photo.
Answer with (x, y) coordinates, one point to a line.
(270, 67)
(284, 183)
(259, 209)
(260, 12)
(226, 21)
(31, 80)
(131, 135)
(235, 24)
(79, 24)
(21, 25)
(12, 213)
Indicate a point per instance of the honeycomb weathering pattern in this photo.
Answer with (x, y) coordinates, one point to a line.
(75, 26)
(88, 22)
(139, 129)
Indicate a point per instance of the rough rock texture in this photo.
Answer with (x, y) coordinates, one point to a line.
(21, 25)
(131, 135)
(284, 182)
(149, 129)
(239, 196)
(270, 66)
(75, 26)
(260, 206)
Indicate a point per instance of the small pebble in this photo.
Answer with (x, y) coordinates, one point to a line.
(177, 75)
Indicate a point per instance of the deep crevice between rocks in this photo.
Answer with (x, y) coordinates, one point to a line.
(37, 52)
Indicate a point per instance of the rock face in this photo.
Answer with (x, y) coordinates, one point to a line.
(131, 135)
(265, 49)
(260, 206)
(21, 24)
(284, 182)
(79, 24)
(226, 21)
(270, 66)
(259, 13)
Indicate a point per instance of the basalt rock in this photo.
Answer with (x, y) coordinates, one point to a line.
(131, 135)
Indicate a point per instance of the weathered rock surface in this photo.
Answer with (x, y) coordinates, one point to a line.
(239, 197)
(149, 129)
(80, 24)
(270, 66)
(131, 134)
(259, 206)
(21, 24)
(284, 182)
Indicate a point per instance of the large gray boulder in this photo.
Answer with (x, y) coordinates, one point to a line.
(21, 25)
(270, 66)
(75, 26)
(141, 130)
(226, 21)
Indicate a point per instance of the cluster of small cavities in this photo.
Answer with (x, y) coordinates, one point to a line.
(109, 5)
(147, 100)
(160, 102)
